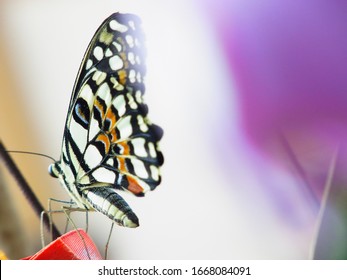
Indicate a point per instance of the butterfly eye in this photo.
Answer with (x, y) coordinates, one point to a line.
(53, 171)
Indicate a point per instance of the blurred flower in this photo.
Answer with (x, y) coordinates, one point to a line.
(289, 63)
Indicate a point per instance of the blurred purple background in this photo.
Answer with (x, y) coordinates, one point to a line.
(289, 63)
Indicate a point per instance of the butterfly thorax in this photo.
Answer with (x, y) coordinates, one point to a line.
(68, 182)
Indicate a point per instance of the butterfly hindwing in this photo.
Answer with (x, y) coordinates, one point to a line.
(109, 143)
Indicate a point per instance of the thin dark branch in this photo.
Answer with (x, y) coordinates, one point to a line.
(27, 191)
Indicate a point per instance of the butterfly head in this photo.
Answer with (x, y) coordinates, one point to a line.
(54, 170)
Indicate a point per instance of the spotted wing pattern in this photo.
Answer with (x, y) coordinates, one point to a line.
(109, 144)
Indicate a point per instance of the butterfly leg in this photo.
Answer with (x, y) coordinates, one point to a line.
(67, 210)
(108, 240)
(70, 203)
(63, 209)
(42, 234)
(48, 215)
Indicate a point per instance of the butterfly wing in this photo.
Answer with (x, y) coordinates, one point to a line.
(109, 143)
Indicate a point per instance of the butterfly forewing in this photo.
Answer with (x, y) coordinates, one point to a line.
(109, 144)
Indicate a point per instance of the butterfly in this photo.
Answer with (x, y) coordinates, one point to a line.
(109, 144)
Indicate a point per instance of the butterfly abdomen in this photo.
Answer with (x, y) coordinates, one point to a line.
(111, 204)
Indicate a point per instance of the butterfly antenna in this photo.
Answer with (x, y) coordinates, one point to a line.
(31, 153)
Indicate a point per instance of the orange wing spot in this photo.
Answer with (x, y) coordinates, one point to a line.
(104, 139)
(113, 134)
(125, 60)
(134, 186)
(126, 148)
(98, 105)
(111, 117)
(121, 166)
(122, 77)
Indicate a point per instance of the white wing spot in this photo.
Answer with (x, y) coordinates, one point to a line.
(124, 127)
(110, 161)
(120, 176)
(99, 77)
(115, 25)
(92, 156)
(87, 94)
(132, 75)
(119, 104)
(116, 63)
(98, 53)
(108, 53)
(131, 57)
(116, 85)
(104, 175)
(79, 133)
(154, 172)
(139, 168)
(121, 149)
(105, 93)
(132, 103)
(152, 150)
(94, 129)
(143, 126)
(132, 24)
(118, 46)
(138, 96)
(139, 147)
(84, 180)
(89, 64)
(130, 40)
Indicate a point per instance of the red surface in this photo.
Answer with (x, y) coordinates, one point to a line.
(69, 246)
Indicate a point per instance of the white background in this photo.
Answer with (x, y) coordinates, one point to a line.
(211, 204)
